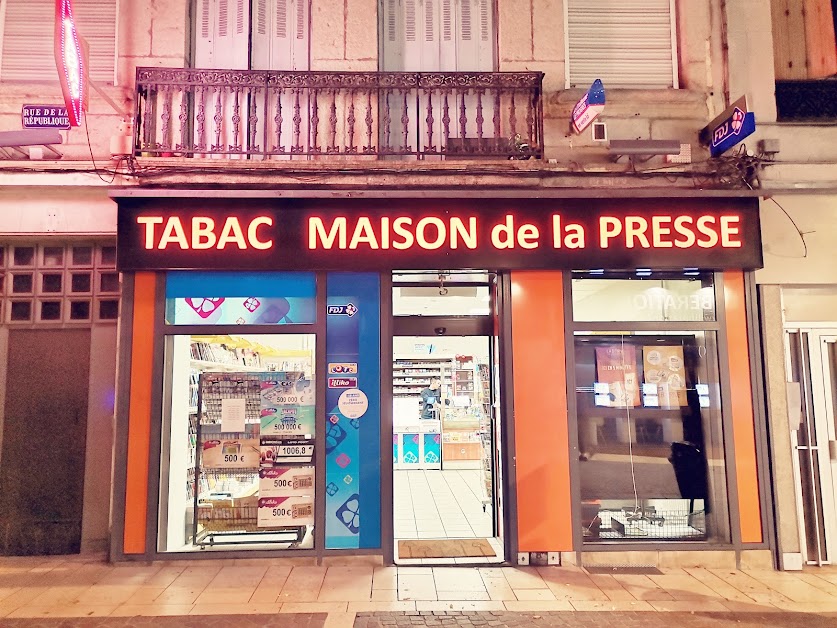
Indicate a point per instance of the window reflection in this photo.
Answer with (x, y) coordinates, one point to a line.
(650, 439)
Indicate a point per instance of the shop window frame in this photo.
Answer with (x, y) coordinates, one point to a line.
(719, 327)
(158, 477)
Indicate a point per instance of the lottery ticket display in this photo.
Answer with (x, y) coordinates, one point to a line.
(255, 457)
(286, 438)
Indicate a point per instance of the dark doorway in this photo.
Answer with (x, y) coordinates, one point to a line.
(44, 434)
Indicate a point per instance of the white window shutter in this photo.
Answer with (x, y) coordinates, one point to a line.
(475, 32)
(465, 20)
(430, 53)
(486, 36)
(232, 40)
(447, 20)
(205, 34)
(300, 60)
(280, 35)
(393, 36)
(429, 21)
(448, 39)
(241, 18)
(412, 44)
(266, 35)
(27, 39)
(280, 20)
(626, 44)
(438, 35)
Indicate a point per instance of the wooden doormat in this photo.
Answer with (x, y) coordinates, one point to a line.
(445, 548)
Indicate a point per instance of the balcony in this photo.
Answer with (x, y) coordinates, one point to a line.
(291, 116)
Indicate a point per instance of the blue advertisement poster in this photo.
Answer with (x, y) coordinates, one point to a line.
(353, 411)
(235, 298)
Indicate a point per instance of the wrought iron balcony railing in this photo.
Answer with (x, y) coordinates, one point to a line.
(275, 115)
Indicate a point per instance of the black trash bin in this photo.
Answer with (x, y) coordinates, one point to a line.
(690, 469)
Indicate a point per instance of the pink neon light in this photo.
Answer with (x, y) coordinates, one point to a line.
(71, 61)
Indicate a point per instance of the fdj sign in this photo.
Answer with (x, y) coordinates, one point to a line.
(729, 128)
(381, 234)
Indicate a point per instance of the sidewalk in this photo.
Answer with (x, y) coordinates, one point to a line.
(45, 587)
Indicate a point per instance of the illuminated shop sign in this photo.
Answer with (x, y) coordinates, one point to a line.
(71, 61)
(731, 127)
(381, 234)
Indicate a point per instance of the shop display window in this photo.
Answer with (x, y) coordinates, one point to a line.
(650, 437)
(237, 468)
(648, 405)
(232, 298)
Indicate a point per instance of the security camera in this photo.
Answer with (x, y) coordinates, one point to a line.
(440, 331)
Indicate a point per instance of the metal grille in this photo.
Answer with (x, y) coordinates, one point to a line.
(58, 283)
(807, 100)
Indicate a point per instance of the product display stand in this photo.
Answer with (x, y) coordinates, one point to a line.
(461, 448)
(411, 375)
(486, 436)
(417, 442)
(252, 487)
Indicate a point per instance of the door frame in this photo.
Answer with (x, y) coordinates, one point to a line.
(477, 325)
(821, 406)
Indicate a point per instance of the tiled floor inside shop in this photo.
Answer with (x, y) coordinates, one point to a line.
(442, 504)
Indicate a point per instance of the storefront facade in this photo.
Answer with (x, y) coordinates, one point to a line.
(626, 406)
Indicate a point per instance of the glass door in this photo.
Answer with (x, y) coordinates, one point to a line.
(812, 394)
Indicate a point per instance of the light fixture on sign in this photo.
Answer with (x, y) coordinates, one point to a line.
(71, 61)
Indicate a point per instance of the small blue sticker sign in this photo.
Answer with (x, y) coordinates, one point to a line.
(44, 117)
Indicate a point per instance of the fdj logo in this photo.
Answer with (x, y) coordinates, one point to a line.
(350, 309)
(732, 127)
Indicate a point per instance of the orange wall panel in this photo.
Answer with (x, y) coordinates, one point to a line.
(139, 413)
(542, 451)
(741, 402)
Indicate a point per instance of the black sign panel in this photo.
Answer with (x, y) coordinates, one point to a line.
(385, 234)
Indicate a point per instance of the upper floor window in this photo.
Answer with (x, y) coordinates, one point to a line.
(437, 35)
(257, 35)
(27, 33)
(803, 39)
(805, 59)
(625, 43)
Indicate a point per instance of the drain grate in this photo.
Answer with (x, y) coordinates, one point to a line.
(637, 570)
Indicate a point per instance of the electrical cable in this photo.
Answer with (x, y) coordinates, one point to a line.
(799, 231)
(93, 159)
(630, 432)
